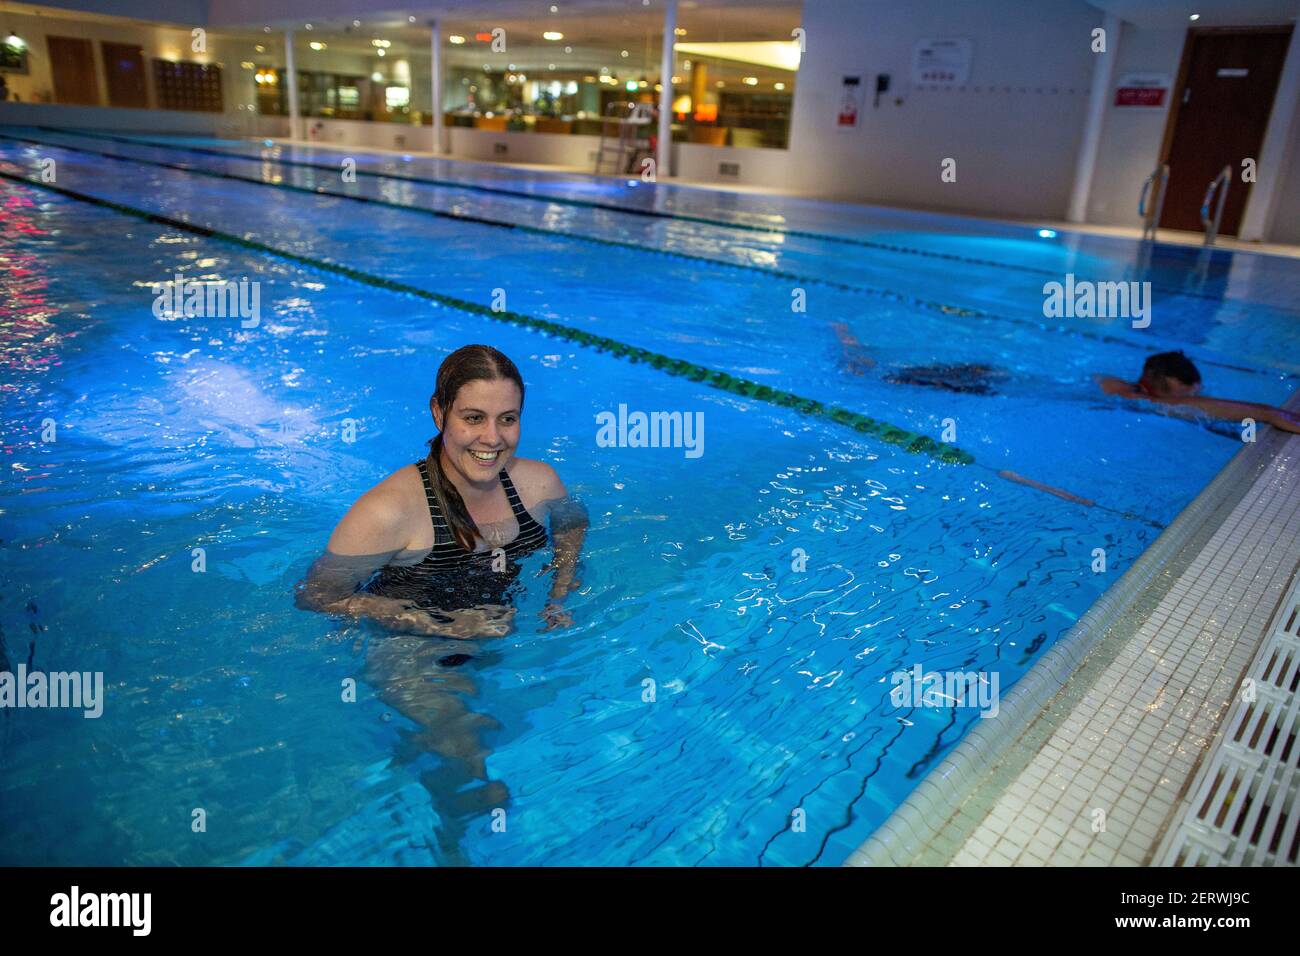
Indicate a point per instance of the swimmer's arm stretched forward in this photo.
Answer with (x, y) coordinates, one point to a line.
(1221, 408)
(1234, 411)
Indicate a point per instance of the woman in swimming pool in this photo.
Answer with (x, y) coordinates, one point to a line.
(446, 534)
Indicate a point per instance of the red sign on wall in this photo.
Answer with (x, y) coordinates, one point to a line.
(1142, 89)
(1140, 96)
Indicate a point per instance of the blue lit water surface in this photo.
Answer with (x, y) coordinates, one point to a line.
(771, 683)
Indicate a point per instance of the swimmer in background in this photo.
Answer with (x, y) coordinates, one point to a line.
(1171, 379)
(856, 359)
(969, 379)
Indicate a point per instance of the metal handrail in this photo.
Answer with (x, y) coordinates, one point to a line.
(1151, 222)
(1212, 226)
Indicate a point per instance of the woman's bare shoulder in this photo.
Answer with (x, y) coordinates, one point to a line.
(536, 481)
(380, 519)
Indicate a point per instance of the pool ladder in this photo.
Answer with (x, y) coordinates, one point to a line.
(1151, 216)
(1159, 179)
(621, 144)
(1218, 185)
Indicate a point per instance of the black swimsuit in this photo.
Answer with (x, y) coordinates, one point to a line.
(450, 577)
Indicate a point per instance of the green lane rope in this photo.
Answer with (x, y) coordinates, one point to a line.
(882, 431)
(886, 294)
(627, 210)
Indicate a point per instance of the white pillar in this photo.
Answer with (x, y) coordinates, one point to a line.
(291, 77)
(1103, 74)
(664, 159)
(435, 47)
(1257, 222)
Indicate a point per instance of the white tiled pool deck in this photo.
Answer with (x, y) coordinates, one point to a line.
(1098, 750)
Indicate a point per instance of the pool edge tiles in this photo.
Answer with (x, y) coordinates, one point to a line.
(997, 798)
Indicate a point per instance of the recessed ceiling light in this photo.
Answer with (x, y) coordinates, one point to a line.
(1194, 16)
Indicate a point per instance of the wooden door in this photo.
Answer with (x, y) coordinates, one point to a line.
(1222, 110)
(72, 61)
(124, 71)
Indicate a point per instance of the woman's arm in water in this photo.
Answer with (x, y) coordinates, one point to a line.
(569, 522)
(366, 539)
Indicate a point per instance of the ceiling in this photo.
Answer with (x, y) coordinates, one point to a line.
(1176, 14)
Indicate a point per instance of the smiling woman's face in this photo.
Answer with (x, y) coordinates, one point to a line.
(481, 429)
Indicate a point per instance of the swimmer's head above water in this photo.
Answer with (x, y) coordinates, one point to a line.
(477, 402)
(407, 553)
(1169, 375)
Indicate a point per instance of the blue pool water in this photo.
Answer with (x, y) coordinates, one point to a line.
(771, 683)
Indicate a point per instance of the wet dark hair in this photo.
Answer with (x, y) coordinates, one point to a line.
(467, 364)
(1172, 365)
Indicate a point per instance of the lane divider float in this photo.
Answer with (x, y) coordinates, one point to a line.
(882, 431)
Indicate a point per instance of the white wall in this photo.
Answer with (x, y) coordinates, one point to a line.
(360, 133)
(1286, 221)
(758, 167)
(1131, 136)
(1014, 130)
(549, 148)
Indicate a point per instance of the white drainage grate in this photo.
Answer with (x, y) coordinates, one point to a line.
(1243, 809)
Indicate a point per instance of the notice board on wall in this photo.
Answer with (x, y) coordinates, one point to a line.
(943, 61)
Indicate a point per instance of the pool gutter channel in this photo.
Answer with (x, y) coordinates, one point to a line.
(934, 822)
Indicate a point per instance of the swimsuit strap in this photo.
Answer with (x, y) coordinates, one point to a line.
(435, 514)
(516, 505)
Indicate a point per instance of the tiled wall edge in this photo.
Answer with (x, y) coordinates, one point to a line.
(915, 824)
